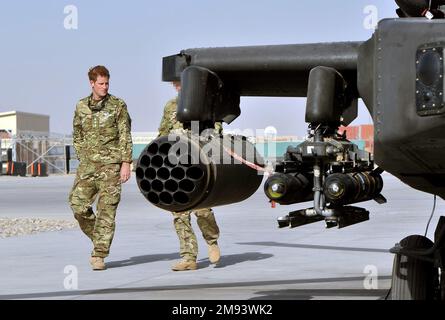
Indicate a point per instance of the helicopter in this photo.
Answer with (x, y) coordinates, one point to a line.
(398, 73)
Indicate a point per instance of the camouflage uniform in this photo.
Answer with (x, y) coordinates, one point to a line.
(181, 220)
(102, 139)
(188, 245)
(169, 122)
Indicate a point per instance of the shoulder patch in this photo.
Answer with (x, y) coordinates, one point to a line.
(83, 101)
(116, 100)
(82, 106)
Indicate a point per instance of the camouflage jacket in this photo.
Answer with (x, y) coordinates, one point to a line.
(170, 123)
(102, 132)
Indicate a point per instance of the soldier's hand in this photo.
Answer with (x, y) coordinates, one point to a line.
(125, 172)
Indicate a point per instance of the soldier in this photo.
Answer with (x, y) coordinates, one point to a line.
(102, 139)
(181, 220)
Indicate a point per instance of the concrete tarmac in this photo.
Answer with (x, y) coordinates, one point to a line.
(259, 261)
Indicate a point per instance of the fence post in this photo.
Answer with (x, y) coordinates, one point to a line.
(67, 158)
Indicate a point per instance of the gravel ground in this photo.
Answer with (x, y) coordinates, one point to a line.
(25, 226)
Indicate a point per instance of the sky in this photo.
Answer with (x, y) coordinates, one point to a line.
(47, 47)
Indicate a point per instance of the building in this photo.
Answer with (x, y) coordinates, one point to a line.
(17, 123)
(28, 136)
(25, 134)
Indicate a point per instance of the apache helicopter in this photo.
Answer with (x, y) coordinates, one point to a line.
(398, 73)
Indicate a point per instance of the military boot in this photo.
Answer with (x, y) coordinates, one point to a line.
(184, 265)
(97, 263)
(214, 253)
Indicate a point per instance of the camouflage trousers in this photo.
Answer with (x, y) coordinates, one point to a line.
(187, 239)
(101, 182)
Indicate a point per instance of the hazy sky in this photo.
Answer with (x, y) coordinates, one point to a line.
(43, 65)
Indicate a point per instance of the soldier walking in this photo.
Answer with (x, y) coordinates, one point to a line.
(102, 140)
(205, 218)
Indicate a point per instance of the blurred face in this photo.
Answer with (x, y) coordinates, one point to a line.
(100, 87)
(177, 85)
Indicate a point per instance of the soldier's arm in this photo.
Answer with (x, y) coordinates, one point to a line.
(78, 135)
(124, 127)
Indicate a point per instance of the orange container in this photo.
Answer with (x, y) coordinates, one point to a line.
(367, 132)
(351, 132)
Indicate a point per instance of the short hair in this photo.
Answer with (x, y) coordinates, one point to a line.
(96, 71)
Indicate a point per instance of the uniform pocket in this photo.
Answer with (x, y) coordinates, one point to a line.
(110, 183)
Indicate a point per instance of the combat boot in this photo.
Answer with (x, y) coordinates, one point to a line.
(214, 253)
(184, 265)
(97, 263)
